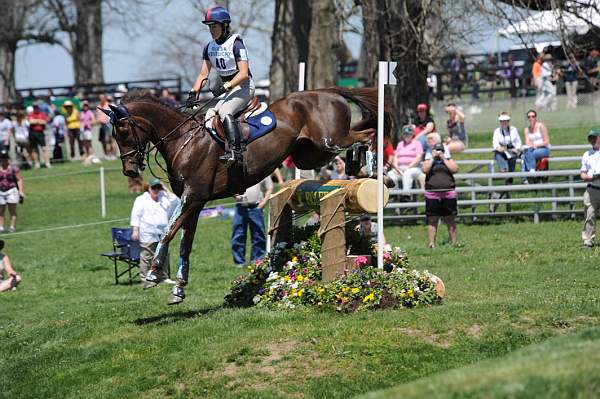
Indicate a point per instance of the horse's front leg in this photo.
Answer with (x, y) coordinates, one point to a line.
(160, 256)
(183, 264)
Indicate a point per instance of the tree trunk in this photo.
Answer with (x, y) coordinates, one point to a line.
(325, 44)
(86, 49)
(7, 73)
(289, 45)
(398, 34)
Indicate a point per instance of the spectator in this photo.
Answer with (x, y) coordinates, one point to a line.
(73, 127)
(590, 172)
(424, 124)
(457, 79)
(87, 120)
(506, 143)
(407, 161)
(537, 142)
(6, 130)
(457, 135)
(11, 190)
(474, 78)
(490, 65)
(60, 128)
(149, 219)
(22, 139)
(105, 137)
(536, 74)
(37, 139)
(432, 84)
(249, 212)
(440, 192)
(549, 75)
(591, 69)
(571, 74)
(167, 98)
(367, 228)
(512, 74)
(9, 279)
(336, 170)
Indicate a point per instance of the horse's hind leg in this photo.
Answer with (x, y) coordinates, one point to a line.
(183, 264)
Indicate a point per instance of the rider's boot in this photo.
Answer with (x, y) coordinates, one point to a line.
(233, 134)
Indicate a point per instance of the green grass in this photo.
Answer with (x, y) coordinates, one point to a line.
(516, 293)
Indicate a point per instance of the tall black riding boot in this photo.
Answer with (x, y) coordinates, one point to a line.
(233, 134)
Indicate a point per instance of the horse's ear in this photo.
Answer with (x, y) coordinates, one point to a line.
(109, 113)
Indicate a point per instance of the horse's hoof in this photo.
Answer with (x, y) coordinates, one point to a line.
(174, 300)
(149, 284)
(177, 296)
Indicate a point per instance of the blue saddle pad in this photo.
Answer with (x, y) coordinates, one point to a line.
(260, 124)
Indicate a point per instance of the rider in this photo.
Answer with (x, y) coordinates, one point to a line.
(227, 53)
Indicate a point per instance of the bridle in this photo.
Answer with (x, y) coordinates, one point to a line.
(138, 153)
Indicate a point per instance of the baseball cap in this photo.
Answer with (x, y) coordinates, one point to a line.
(154, 182)
(594, 133)
(68, 103)
(422, 107)
(504, 117)
(408, 130)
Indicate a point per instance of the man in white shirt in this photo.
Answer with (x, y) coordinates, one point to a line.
(6, 130)
(590, 173)
(249, 212)
(149, 219)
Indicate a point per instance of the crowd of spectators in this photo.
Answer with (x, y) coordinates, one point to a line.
(543, 77)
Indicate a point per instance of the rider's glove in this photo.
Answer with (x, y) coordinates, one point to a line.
(191, 100)
(222, 89)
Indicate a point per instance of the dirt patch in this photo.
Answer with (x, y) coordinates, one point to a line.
(475, 331)
(443, 342)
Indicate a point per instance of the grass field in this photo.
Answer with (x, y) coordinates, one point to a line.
(520, 318)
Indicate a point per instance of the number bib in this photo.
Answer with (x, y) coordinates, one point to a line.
(222, 57)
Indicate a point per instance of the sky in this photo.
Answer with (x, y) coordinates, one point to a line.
(127, 58)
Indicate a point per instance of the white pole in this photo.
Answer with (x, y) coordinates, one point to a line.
(102, 193)
(301, 79)
(268, 248)
(383, 77)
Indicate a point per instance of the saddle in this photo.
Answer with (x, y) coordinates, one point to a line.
(255, 121)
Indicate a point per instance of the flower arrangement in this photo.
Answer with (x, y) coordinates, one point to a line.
(291, 277)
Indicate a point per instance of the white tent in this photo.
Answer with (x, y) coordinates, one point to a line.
(553, 21)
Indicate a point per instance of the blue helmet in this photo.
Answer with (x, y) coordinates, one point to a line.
(216, 15)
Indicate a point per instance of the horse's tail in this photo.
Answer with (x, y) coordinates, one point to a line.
(366, 99)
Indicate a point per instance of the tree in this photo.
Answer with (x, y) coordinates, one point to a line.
(289, 45)
(325, 44)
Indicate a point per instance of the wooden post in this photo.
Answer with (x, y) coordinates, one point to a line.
(333, 234)
(280, 214)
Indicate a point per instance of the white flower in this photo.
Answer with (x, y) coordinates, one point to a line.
(387, 248)
(295, 285)
(256, 299)
(272, 276)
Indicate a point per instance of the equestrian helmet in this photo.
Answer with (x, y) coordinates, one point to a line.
(216, 15)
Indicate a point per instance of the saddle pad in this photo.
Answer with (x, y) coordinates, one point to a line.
(259, 124)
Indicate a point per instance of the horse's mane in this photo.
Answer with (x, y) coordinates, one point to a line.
(146, 96)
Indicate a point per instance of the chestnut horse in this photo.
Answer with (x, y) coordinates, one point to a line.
(312, 126)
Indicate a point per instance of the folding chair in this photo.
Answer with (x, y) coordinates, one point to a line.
(125, 251)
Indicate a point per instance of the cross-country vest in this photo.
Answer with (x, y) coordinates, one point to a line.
(222, 58)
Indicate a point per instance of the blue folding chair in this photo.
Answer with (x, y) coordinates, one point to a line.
(126, 252)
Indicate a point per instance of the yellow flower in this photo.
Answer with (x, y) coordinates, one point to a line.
(286, 278)
(251, 269)
(320, 290)
(411, 293)
(355, 290)
(338, 296)
(300, 293)
(368, 298)
(299, 278)
(295, 259)
(345, 289)
(345, 299)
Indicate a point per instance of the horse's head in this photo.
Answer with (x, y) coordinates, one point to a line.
(132, 134)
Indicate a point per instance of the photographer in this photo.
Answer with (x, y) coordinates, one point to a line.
(507, 145)
(440, 192)
(590, 173)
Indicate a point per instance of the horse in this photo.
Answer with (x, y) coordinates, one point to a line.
(311, 126)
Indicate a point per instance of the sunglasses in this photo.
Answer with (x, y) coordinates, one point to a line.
(531, 116)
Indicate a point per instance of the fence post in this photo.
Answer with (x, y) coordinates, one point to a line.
(102, 193)
(572, 194)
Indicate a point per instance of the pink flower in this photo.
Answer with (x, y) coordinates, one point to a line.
(387, 257)
(361, 261)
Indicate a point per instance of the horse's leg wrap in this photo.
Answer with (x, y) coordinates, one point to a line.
(157, 273)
